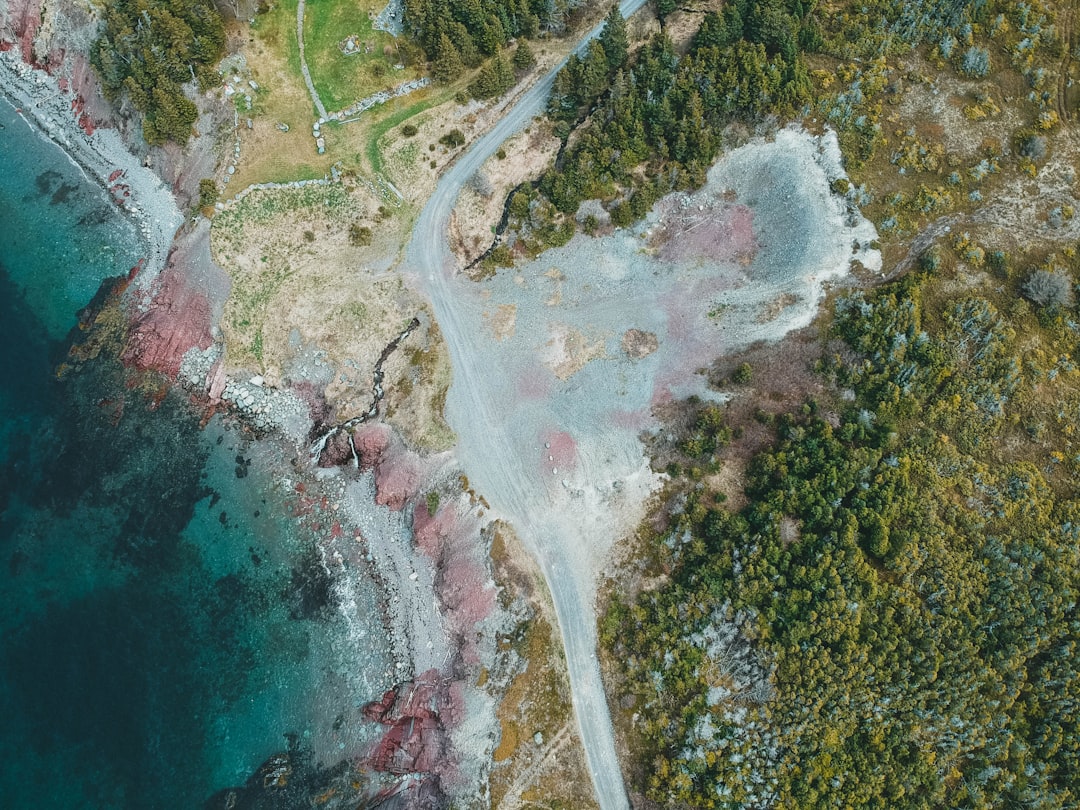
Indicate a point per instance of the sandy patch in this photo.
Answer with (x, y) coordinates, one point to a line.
(638, 344)
(569, 350)
(503, 321)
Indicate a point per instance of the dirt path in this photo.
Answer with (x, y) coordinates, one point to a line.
(550, 536)
(1061, 99)
(303, 62)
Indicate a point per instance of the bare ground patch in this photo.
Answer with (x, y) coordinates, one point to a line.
(300, 283)
(539, 760)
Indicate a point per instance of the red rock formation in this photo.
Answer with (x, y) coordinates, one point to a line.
(397, 479)
(177, 318)
(466, 594)
(24, 20)
(337, 451)
(371, 442)
(415, 740)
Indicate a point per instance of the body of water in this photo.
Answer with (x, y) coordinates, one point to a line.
(164, 623)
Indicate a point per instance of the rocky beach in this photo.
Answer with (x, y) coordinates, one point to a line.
(399, 581)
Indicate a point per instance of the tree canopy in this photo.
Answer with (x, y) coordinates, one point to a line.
(892, 621)
(149, 49)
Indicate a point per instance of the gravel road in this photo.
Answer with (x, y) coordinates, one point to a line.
(549, 536)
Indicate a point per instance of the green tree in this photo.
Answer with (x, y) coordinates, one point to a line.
(614, 39)
(447, 65)
(523, 57)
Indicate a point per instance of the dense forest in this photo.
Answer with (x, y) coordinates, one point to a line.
(460, 34)
(892, 620)
(149, 49)
(639, 123)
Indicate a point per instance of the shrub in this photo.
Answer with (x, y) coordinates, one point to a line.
(743, 374)
(360, 235)
(453, 138)
(1033, 147)
(1049, 288)
(208, 192)
(975, 62)
(409, 130)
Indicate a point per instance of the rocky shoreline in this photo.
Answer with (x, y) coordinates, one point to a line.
(374, 511)
(51, 106)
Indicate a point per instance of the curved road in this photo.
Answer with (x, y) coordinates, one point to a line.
(547, 532)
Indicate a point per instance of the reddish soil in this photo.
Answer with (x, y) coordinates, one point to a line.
(466, 593)
(720, 232)
(559, 450)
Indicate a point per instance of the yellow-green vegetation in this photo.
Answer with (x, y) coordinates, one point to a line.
(403, 112)
(257, 284)
(892, 620)
(416, 397)
(341, 80)
(545, 771)
(341, 77)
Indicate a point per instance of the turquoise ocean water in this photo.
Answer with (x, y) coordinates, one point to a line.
(161, 631)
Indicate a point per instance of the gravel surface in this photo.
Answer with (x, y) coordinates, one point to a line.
(548, 415)
(430, 256)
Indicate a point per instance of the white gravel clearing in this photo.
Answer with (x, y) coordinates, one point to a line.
(549, 417)
(593, 486)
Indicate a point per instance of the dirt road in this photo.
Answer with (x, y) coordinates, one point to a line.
(548, 532)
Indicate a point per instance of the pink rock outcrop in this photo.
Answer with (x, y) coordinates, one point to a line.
(466, 593)
(371, 442)
(415, 740)
(178, 317)
(24, 20)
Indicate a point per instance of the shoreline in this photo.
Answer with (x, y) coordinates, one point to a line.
(101, 154)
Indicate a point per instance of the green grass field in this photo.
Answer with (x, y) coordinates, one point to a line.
(341, 80)
(374, 155)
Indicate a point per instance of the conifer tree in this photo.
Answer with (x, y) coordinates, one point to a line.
(523, 57)
(614, 39)
(447, 65)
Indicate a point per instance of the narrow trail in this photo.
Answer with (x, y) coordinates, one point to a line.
(303, 61)
(1061, 100)
(548, 533)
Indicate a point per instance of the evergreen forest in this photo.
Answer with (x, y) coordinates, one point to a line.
(147, 52)
(891, 621)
